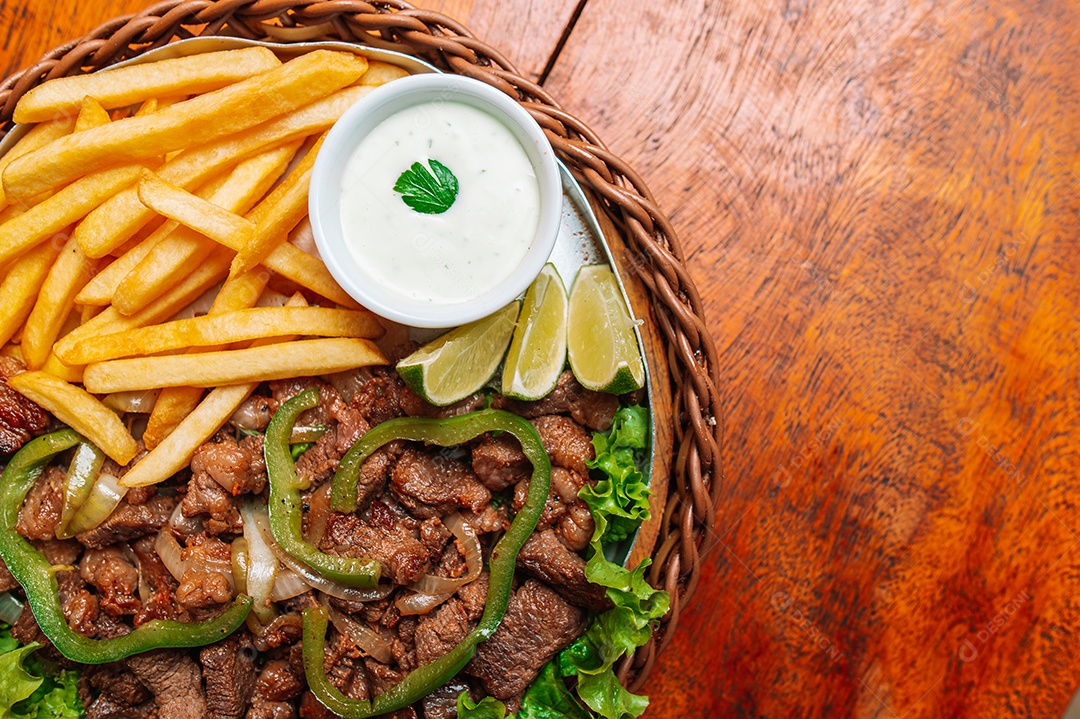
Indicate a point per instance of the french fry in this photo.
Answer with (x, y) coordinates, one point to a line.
(58, 369)
(11, 350)
(38, 136)
(275, 216)
(212, 369)
(184, 249)
(65, 207)
(91, 114)
(110, 320)
(380, 73)
(130, 85)
(112, 224)
(80, 411)
(203, 118)
(176, 403)
(195, 422)
(20, 287)
(54, 303)
(226, 328)
(100, 290)
(193, 212)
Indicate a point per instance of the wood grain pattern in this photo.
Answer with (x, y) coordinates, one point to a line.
(880, 201)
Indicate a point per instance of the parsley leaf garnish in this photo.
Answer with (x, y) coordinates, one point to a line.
(429, 191)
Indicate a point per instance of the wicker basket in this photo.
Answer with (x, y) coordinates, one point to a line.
(652, 251)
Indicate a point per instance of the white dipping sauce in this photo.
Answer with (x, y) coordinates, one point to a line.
(471, 247)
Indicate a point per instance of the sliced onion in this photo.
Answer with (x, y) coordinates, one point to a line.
(262, 564)
(318, 515)
(141, 402)
(420, 603)
(432, 590)
(288, 584)
(367, 639)
(239, 564)
(184, 526)
(169, 550)
(316, 580)
(260, 631)
(11, 608)
(78, 483)
(103, 499)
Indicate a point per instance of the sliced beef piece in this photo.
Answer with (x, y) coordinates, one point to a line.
(114, 576)
(80, 607)
(20, 418)
(175, 680)
(538, 623)
(415, 405)
(499, 461)
(402, 556)
(434, 484)
(473, 596)
(237, 468)
(565, 442)
(576, 526)
(203, 583)
(206, 498)
(378, 396)
(493, 518)
(26, 630)
(278, 681)
(265, 709)
(595, 410)
(546, 558)
(7, 582)
(63, 552)
(433, 535)
(255, 412)
(553, 506)
(375, 473)
(107, 707)
(442, 703)
(382, 677)
(440, 631)
(160, 603)
(40, 513)
(130, 521)
(120, 684)
(228, 668)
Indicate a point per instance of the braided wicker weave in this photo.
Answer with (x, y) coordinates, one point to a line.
(656, 255)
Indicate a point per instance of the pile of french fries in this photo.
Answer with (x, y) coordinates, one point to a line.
(142, 193)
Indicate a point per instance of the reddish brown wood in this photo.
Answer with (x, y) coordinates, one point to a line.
(880, 201)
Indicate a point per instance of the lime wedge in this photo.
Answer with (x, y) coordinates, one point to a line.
(538, 350)
(450, 368)
(600, 337)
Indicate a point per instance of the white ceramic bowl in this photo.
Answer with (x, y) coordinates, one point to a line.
(325, 202)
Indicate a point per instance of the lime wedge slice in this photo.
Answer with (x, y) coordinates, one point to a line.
(538, 350)
(450, 368)
(600, 337)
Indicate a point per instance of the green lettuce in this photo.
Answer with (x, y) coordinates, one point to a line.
(620, 501)
(488, 708)
(33, 689)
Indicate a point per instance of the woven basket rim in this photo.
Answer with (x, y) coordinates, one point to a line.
(655, 253)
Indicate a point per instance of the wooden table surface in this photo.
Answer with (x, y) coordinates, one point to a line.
(879, 203)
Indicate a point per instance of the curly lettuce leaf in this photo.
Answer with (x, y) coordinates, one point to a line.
(620, 501)
(16, 683)
(487, 708)
(32, 688)
(548, 698)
